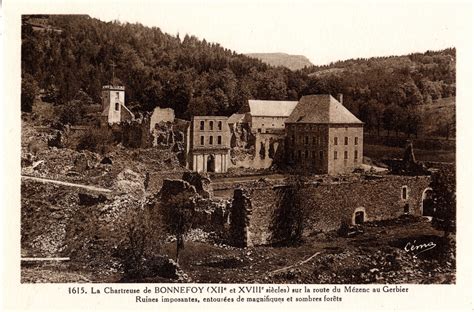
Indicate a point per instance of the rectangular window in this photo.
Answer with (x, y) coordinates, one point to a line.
(335, 154)
(356, 141)
(293, 138)
(211, 139)
(345, 155)
(202, 140)
(306, 140)
(117, 106)
(404, 193)
(356, 154)
(259, 130)
(299, 154)
(117, 95)
(306, 154)
(202, 125)
(321, 155)
(335, 140)
(314, 140)
(219, 140)
(346, 141)
(313, 154)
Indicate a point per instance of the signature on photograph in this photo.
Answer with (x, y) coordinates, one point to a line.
(419, 248)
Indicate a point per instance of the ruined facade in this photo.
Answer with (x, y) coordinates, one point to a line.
(322, 136)
(113, 105)
(161, 115)
(208, 144)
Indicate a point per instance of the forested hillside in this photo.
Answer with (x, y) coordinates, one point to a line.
(390, 92)
(157, 69)
(195, 77)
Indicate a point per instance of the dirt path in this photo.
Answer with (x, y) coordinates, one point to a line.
(87, 187)
(248, 178)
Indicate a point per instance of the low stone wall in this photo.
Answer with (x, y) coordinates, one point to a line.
(327, 205)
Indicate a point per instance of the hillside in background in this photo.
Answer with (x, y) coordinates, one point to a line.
(293, 62)
(68, 58)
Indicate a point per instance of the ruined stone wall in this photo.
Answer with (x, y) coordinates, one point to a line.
(330, 204)
(161, 115)
(266, 151)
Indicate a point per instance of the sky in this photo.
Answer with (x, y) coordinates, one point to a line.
(323, 31)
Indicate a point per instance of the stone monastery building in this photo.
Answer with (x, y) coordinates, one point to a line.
(268, 116)
(319, 134)
(209, 144)
(323, 136)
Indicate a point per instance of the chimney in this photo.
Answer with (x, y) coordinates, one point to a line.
(340, 97)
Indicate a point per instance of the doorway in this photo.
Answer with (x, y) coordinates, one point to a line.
(427, 204)
(359, 216)
(211, 163)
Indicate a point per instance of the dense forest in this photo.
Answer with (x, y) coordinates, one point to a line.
(73, 57)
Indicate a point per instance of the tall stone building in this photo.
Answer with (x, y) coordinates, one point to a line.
(113, 105)
(208, 144)
(322, 136)
(269, 116)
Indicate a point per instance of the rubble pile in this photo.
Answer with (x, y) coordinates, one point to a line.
(45, 213)
(356, 266)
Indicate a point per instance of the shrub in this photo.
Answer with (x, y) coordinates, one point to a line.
(29, 89)
(139, 252)
(99, 140)
(71, 113)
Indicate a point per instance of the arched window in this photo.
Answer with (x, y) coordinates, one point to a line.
(211, 125)
(117, 106)
(219, 139)
(202, 125)
(219, 125)
(359, 216)
(211, 139)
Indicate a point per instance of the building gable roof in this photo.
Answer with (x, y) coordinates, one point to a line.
(236, 118)
(321, 108)
(271, 108)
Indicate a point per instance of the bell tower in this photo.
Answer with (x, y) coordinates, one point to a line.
(113, 100)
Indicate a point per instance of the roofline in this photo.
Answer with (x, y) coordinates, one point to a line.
(326, 123)
(282, 116)
(209, 116)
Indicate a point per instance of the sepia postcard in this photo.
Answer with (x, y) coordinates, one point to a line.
(237, 155)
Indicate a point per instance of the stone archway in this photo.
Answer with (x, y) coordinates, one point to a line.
(427, 206)
(359, 216)
(211, 163)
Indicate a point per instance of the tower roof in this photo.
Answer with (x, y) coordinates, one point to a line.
(323, 109)
(113, 87)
